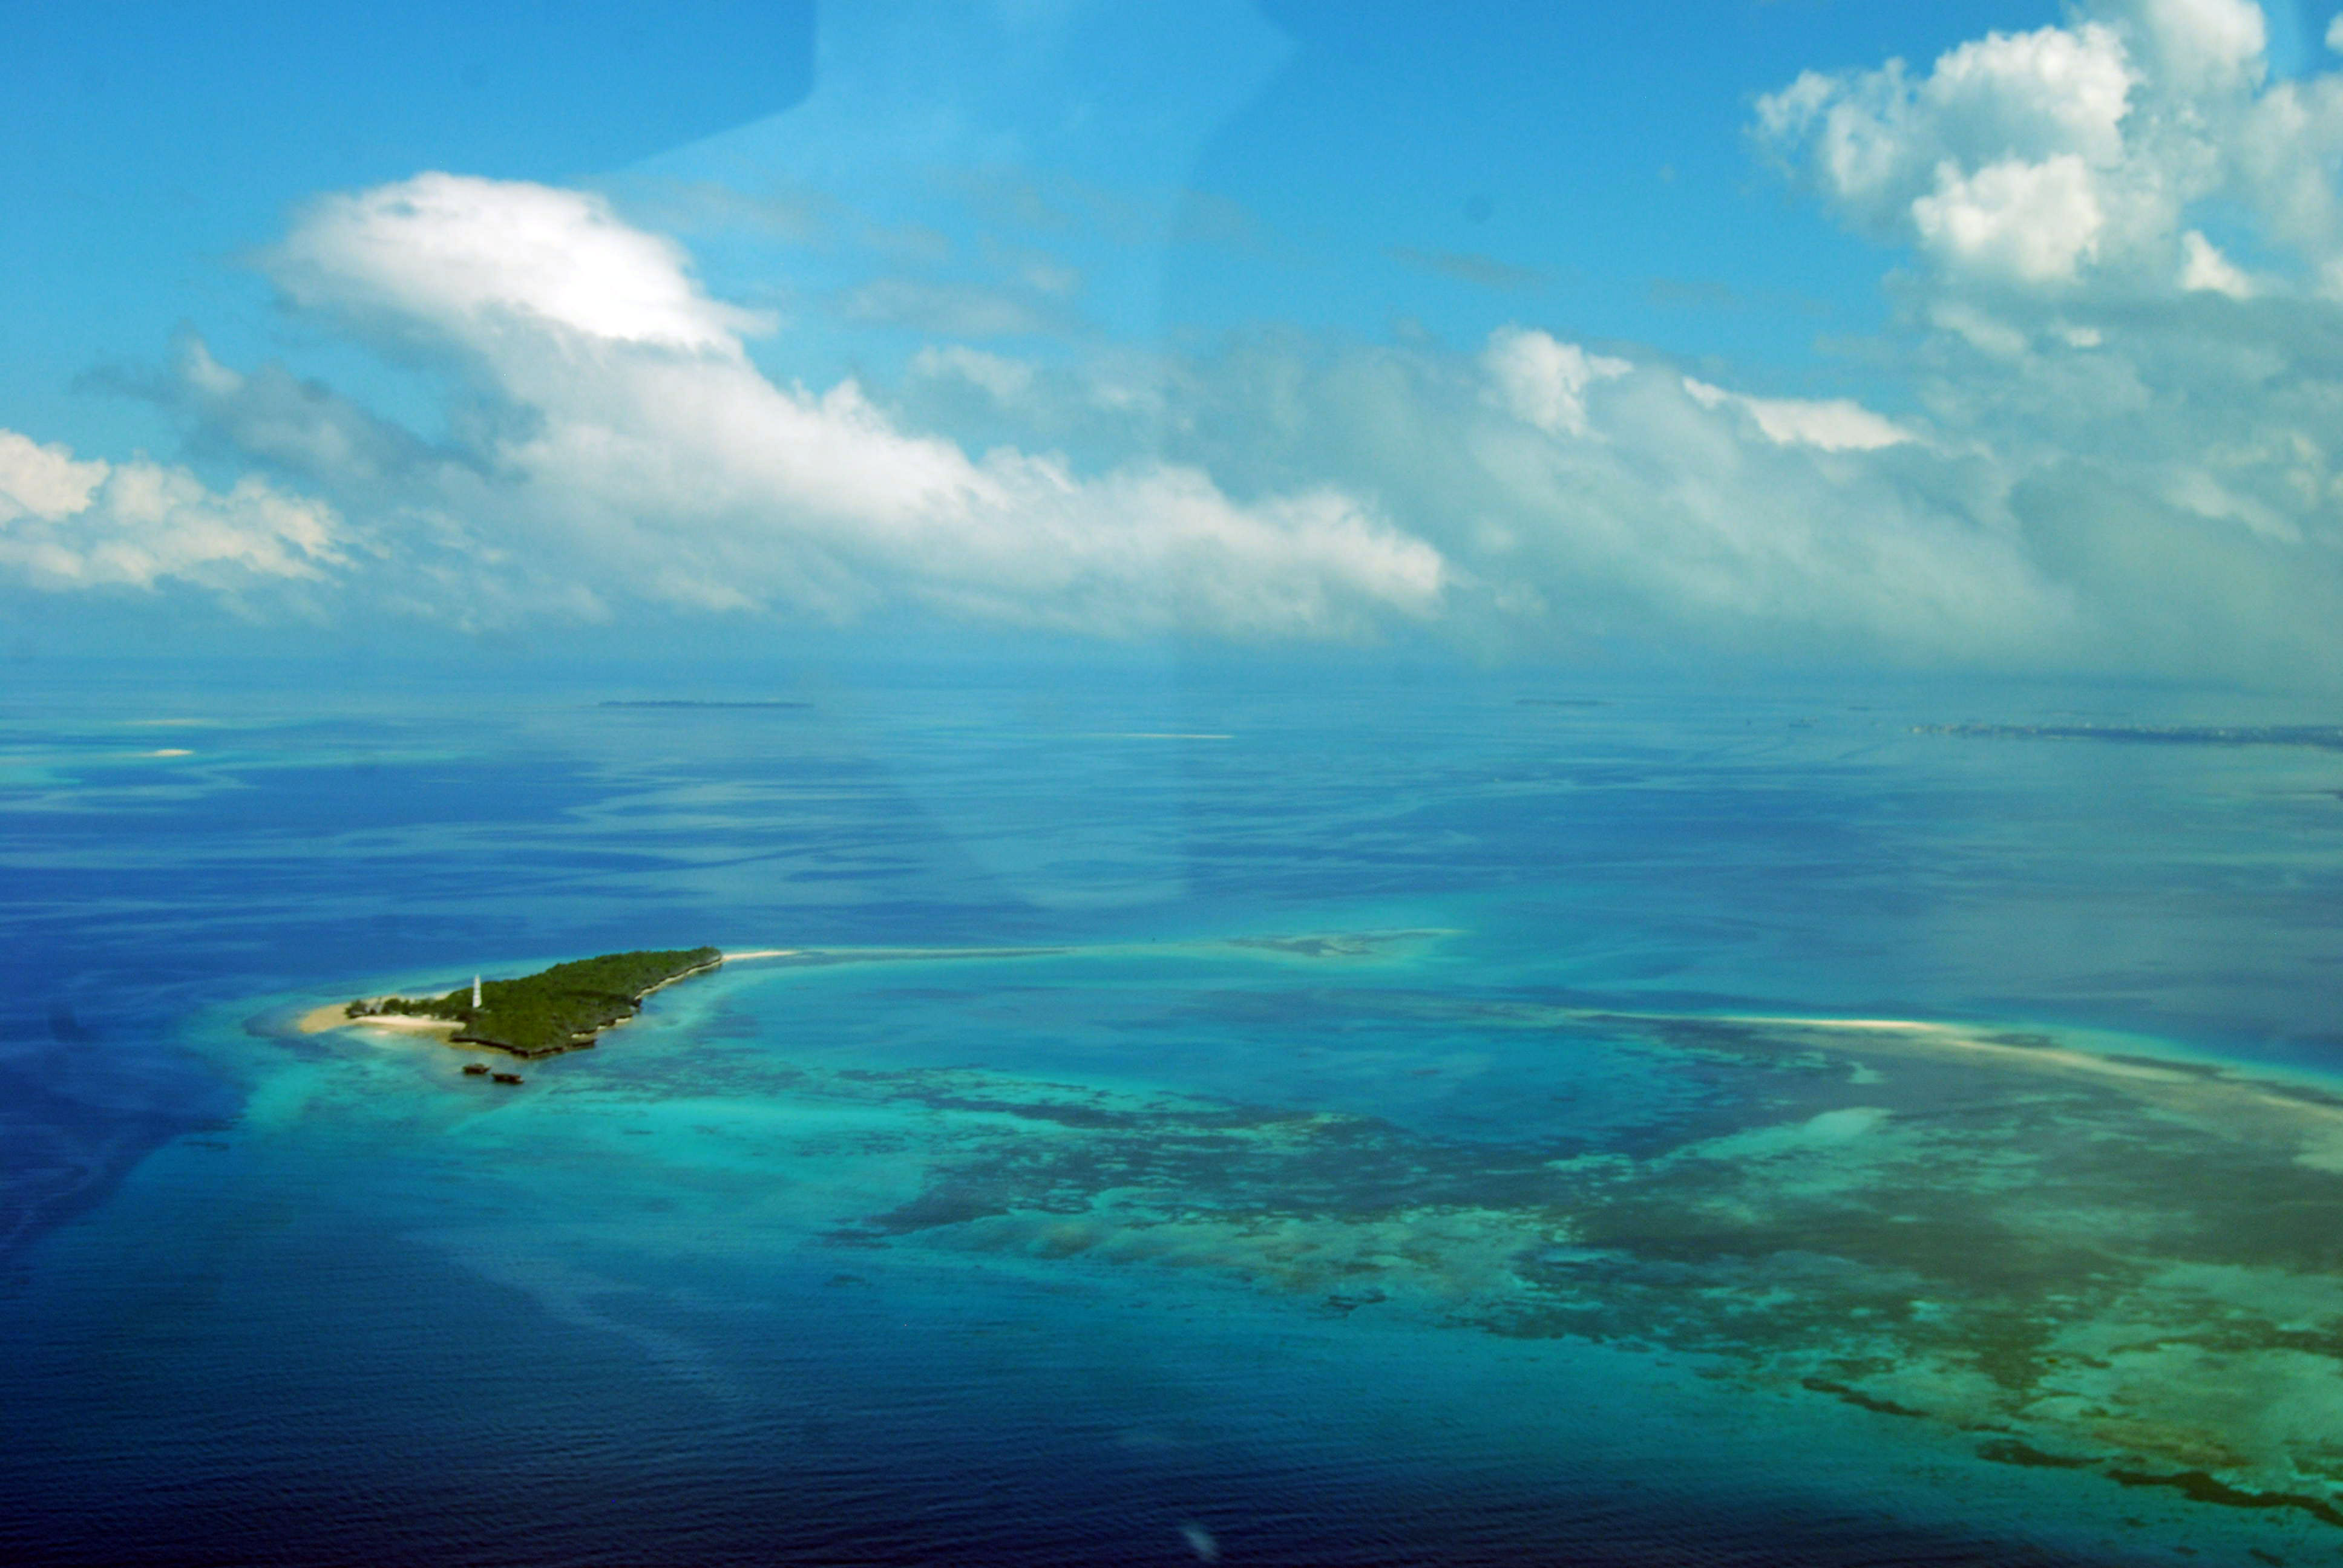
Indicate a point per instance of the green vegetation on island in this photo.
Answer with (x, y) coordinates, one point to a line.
(556, 1010)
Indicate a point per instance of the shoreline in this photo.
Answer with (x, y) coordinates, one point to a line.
(329, 1017)
(334, 1015)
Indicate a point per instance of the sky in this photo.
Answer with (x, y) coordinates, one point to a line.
(1974, 338)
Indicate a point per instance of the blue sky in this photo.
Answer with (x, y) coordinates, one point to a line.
(1970, 337)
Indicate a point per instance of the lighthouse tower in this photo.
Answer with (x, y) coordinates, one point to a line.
(475, 991)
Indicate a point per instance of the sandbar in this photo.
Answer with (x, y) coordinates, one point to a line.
(2230, 1103)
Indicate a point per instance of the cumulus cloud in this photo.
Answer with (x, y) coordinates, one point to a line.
(2158, 406)
(2069, 155)
(634, 449)
(2005, 127)
(2198, 45)
(2035, 222)
(76, 523)
(1542, 381)
(479, 260)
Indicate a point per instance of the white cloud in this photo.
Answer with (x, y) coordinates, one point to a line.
(643, 453)
(2024, 95)
(1542, 381)
(2075, 157)
(476, 258)
(70, 523)
(2035, 222)
(45, 483)
(2036, 160)
(1879, 142)
(1831, 424)
(2200, 45)
(2203, 494)
(2204, 270)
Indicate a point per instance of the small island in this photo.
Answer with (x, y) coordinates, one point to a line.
(561, 1008)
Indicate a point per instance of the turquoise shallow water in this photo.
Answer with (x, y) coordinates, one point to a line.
(1243, 1212)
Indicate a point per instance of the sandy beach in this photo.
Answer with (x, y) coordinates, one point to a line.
(335, 1015)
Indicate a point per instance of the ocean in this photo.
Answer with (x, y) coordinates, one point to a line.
(1189, 1118)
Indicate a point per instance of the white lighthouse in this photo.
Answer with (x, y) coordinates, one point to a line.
(475, 991)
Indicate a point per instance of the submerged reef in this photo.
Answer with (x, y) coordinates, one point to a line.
(2117, 1264)
(559, 1009)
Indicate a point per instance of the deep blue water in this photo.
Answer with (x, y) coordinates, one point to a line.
(282, 1299)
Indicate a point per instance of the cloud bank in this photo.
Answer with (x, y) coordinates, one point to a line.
(614, 441)
(2115, 373)
(2127, 292)
(71, 523)
(627, 446)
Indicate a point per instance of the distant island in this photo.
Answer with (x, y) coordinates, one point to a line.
(556, 1010)
(680, 702)
(2325, 738)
